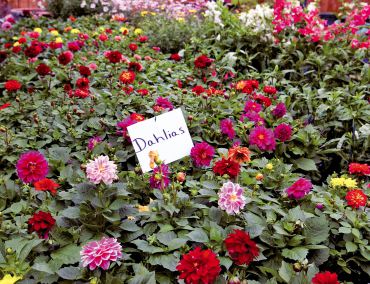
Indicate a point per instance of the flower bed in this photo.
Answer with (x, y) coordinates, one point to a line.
(275, 189)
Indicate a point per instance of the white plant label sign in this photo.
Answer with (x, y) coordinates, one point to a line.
(167, 134)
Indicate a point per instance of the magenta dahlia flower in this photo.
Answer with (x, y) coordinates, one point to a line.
(202, 154)
(93, 141)
(231, 198)
(283, 132)
(226, 126)
(252, 106)
(160, 177)
(279, 111)
(101, 170)
(299, 189)
(32, 166)
(100, 253)
(263, 138)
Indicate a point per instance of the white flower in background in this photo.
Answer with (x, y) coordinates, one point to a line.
(259, 20)
(214, 13)
(312, 6)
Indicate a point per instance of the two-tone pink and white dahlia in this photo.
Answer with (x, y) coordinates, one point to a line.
(101, 170)
(100, 253)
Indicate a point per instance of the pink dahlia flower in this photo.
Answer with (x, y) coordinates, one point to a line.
(202, 154)
(100, 253)
(252, 106)
(299, 189)
(31, 167)
(227, 127)
(263, 138)
(160, 177)
(279, 111)
(101, 169)
(231, 198)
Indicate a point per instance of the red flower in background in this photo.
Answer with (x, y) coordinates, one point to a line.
(82, 83)
(65, 57)
(46, 185)
(84, 71)
(199, 267)
(16, 49)
(226, 166)
(43, 70)
(127, 77)
(271, 90)
(132, 47)
(32, 51)
(356, 198)
(4, 106)
(359, 169)
(135, 66)
(143, 92)
(41, 223)
(241, 248)
(114, 56)
(198, 90)
(12, 85)
(325, 278)
(142, 38)
(175, 57)
(202, 61)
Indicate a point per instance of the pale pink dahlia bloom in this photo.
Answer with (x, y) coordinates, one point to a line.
(100, 253)
(231, 198)
(101, 169)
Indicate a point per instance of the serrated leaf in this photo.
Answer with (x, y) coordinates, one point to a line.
(298, 253)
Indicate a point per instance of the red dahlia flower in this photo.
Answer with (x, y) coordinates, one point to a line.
(82, 83)
(325, 278)
(127, 77)
(175, 57)
(43, 70)
(226, 166)
(32, 51)
(41, 223)
(202, 154)
(198, 90)
(271, 90)
(46, 185)
(241, 248)
(84, 71)
(32, 166)
(359, 169)
(4, 106)
(202, 61)
(12, 85)
(65, 57)
(132, 47)
(199, 267)
(114, 56)
(135, 66)
(283, 132)
(356, 198)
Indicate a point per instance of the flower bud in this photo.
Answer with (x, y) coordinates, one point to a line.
(234, 280)
(181, 176)
(9, 250)
(297, 267)
(259, 176)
